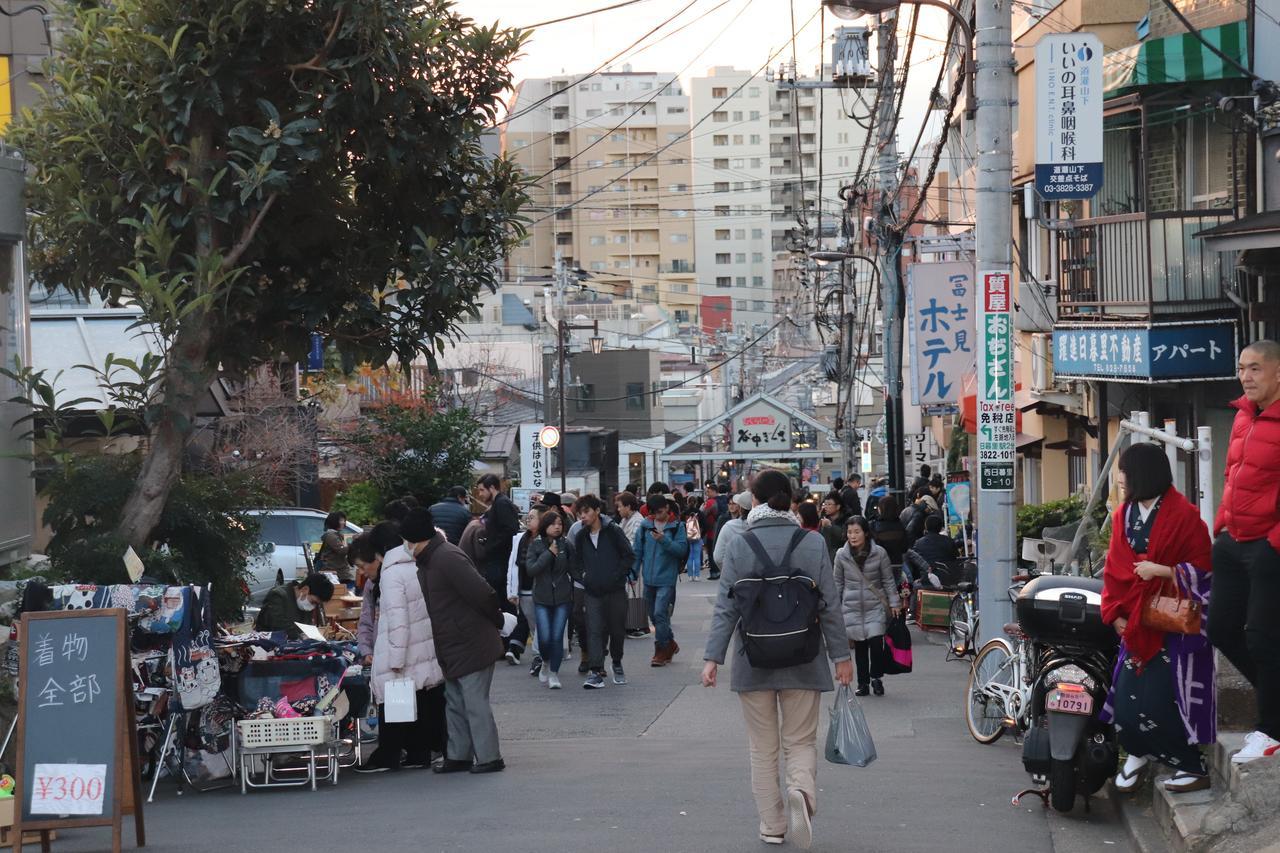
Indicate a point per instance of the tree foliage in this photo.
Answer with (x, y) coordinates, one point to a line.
(249, 172)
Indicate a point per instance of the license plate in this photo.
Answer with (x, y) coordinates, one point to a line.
(1069, 703)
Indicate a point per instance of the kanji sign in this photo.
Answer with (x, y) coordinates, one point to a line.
(535, 460)
(997, 418)
(1068, 116)
(761, 426)
(1168, 353)
(940, 331)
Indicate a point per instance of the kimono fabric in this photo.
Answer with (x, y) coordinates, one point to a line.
(1154, 667)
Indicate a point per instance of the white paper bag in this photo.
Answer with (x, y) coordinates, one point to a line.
(400, 701)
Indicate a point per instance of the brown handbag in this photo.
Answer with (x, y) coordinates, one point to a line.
(1172, 614)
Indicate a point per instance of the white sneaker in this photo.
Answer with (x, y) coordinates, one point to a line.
(543, 674)
(800, 830)
(553, 681)
(1131, 774)
(1256, 745)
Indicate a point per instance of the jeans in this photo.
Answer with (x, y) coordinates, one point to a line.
(661, 601)
(606, 625)
(867, 657)
(694, 566)
(781, 724)
(551, 625)
(1242, 619)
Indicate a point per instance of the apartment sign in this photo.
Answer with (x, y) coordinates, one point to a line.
(941, 332)
(1068, 116)
(997, 418)
(1176, 352)
(535, 460)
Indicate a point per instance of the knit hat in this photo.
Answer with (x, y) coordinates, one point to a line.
(743, 499)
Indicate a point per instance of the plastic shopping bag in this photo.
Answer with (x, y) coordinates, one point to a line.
(400, 701)
(848, 737)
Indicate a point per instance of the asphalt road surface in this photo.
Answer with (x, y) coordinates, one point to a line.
(656, 766)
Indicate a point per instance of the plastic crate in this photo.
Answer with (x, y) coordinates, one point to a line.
(291, 731)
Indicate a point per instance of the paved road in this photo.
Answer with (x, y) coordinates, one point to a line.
(656, 765)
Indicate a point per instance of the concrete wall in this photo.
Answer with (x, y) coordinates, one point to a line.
(609, 374)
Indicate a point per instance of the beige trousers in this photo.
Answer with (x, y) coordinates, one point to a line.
(781, 723)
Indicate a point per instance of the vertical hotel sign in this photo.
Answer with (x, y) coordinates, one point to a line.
(1068, 116)
(997, 419)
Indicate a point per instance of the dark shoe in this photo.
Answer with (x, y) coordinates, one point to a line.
(416, 762)
(513, 657)
(490, 767)
(636, 634)
(619, 677)
(672, 649)
(536, 667)
(877, 687)
(863, 690)
(583, 668)
(659, 658)
(452, 765)
(595, 681)
(372, 768)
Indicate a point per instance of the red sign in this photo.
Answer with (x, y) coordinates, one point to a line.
(995, 292)
(759, 421)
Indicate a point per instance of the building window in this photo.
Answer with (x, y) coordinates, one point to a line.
(720, 163)
(674, 110)
(635, 396)
(597, 265)
(720, 139)
(755, 162)
(1209, 162)
(737, 139)
(842, 137)
(755, 115)
(584, 398)
(757, 233)
(678, 188)
(722, 257)
(722, 234)
(739, 233)
(757, 305)
(679, 212)
(672, 137)
(737, 115)
(679, 238)
(722, 186)
(618, 137)
(740, 281)
(596, 87)
(740, 258)
(723, 281)
(754, 92)
(740, 304)
(720, 116)
(719, 93)
(722, 210)
(757, 257)
(681, 315)
(757, 281)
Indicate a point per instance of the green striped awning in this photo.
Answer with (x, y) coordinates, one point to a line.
(1176, 59)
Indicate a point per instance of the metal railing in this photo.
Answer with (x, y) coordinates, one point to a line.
(1139, 265)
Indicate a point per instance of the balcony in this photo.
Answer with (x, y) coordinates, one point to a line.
(1140, 266)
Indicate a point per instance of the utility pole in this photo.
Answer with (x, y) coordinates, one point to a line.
(562, 285)
(994, 245)
(889, 240)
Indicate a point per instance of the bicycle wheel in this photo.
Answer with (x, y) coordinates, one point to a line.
(960, 632)
(985, 713)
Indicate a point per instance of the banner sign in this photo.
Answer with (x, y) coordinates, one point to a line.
(1068, 102)
(1178, 352)
(997, 418)
(940, 329)
(761, 426)
(535, 460)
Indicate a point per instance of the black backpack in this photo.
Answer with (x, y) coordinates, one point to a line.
(779, 608)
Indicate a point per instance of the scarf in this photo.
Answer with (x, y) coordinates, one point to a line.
(765, 511)
(1178, 536)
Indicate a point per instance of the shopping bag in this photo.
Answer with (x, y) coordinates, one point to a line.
(637, 614)
(848, 737)
(896, 658)
(400, 701)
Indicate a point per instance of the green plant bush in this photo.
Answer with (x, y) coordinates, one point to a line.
(362, 503)
(202, 537)
(417, 447)
(1034, 518)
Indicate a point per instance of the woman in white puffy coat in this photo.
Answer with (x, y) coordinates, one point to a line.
(404, 648)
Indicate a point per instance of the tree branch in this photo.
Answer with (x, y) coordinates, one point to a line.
(233, 257)
(312, 64)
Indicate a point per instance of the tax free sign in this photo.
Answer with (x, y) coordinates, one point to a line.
(1068, 116)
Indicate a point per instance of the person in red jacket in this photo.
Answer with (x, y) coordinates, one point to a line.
(1246, 552)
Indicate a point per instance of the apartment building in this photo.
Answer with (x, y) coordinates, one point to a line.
(614, 196)
(757, 163)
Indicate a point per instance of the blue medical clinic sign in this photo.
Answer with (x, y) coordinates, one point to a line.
(1146, 354)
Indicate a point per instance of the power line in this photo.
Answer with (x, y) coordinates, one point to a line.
(1182, 19)
(581, 14)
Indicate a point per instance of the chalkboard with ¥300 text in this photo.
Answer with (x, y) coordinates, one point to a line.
(77, 745)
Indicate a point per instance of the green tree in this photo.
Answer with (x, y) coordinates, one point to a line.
(250, 173)
(418, 448)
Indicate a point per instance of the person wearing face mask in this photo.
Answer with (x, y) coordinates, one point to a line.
(297, 601)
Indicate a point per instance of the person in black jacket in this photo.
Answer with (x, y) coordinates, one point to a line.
(452, 514)
(931, 549)
(888, 531)
(501, 524)
(605, 563)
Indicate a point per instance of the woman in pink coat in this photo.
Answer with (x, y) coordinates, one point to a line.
(403, 648)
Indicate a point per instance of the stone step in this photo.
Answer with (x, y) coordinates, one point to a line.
(1182, 816)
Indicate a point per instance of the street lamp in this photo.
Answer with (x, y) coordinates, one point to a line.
(851, 9)
(597, 344)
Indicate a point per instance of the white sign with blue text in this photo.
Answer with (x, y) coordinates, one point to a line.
(940, 301)
(1068, 116)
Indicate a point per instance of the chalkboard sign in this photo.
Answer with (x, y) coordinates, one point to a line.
(77, 742)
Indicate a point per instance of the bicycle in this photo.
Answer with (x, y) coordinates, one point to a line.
(998, 693)
(963, 622)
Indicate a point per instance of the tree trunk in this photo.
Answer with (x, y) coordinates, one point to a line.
(187, 376)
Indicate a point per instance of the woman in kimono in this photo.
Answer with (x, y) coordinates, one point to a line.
(1158, 542)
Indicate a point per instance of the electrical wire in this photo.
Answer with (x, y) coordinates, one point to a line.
(1182, 19)
(582, 14)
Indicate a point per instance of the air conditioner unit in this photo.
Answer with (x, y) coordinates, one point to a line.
(1041, 362)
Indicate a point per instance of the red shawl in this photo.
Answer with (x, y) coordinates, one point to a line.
(1179, 535)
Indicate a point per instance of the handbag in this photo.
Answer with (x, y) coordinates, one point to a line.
(400, 701)
(1172, 614)
(897, 658)
(849, 737)
(637, 613)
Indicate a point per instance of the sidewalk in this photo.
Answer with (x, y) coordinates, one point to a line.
(659, 764)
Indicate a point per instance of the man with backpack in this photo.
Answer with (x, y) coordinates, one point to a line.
(605, 562)
(783, 667)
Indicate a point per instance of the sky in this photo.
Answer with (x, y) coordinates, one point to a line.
(740, 33)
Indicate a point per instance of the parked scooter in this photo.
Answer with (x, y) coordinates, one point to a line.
(1067, 745)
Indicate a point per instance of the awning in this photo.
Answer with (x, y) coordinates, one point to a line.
(1182, 58)
(1259, 231)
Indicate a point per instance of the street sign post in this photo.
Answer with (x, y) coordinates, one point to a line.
(1068, 116)
(997, 417)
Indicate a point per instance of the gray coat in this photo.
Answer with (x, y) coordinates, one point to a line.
(740, 562)
(864, 614)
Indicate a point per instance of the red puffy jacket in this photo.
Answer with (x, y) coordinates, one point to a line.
(1250, 507)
